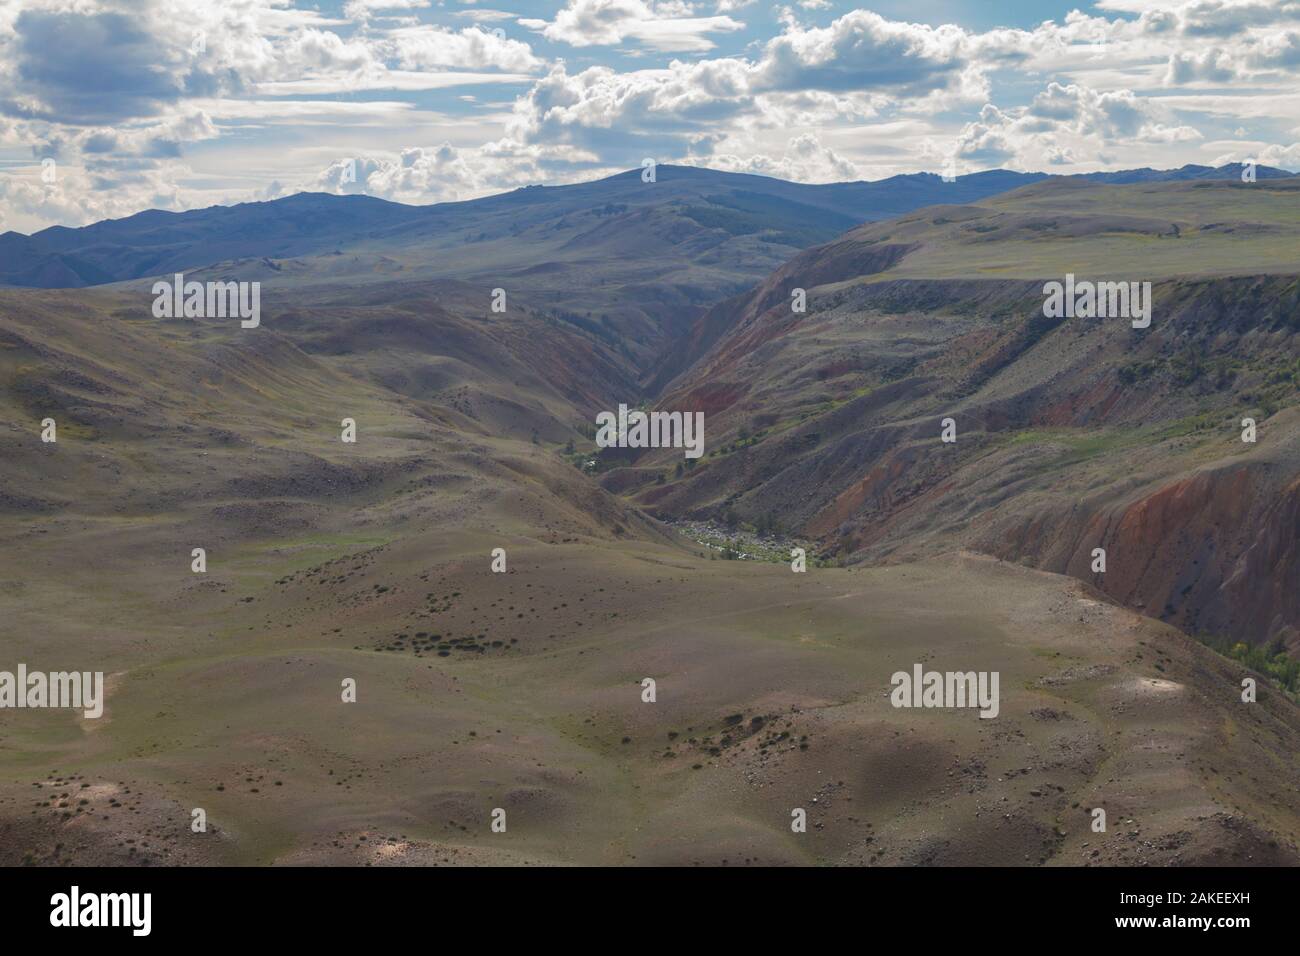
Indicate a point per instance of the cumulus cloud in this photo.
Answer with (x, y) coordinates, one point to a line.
(108, 67)
(1272, 154)
(670, 25)
(1218, 18)
(1225, 18)
(1065, 124)
(854, 67)
(1212, 66)
(863, 50)
(363, 10)
(805, 159)
(78, 197)
(600, 107)
(476, 48)
(1284, 157)
(1277, 51)
(114, 67)
(445, 173)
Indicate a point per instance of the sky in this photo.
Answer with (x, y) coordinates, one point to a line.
(110, 107)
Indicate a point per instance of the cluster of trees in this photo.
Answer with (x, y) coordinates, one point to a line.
(1270, 659)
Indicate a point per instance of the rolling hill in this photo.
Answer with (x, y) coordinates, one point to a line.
(522, 689)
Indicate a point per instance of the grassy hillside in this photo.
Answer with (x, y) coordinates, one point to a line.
(1148, 232)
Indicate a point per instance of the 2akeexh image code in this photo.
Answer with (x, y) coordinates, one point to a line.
(629, 434)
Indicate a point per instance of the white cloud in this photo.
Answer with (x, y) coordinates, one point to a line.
(407, 80)
(444, 173)
(365, 9)
(805, 160)
(1284, 157)
(79, 196)
(669, 25)
(1068, 124)
(1212, 66)
(864, 51)
(473, 48)
(853, 68)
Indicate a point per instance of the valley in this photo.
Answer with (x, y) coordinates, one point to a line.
(1073, 433)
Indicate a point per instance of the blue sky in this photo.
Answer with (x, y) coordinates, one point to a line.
(108, 107)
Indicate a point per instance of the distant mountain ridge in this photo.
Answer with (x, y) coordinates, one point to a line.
(797, 215)
(1191, 171)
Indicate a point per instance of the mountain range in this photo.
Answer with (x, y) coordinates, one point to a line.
(772, 211)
